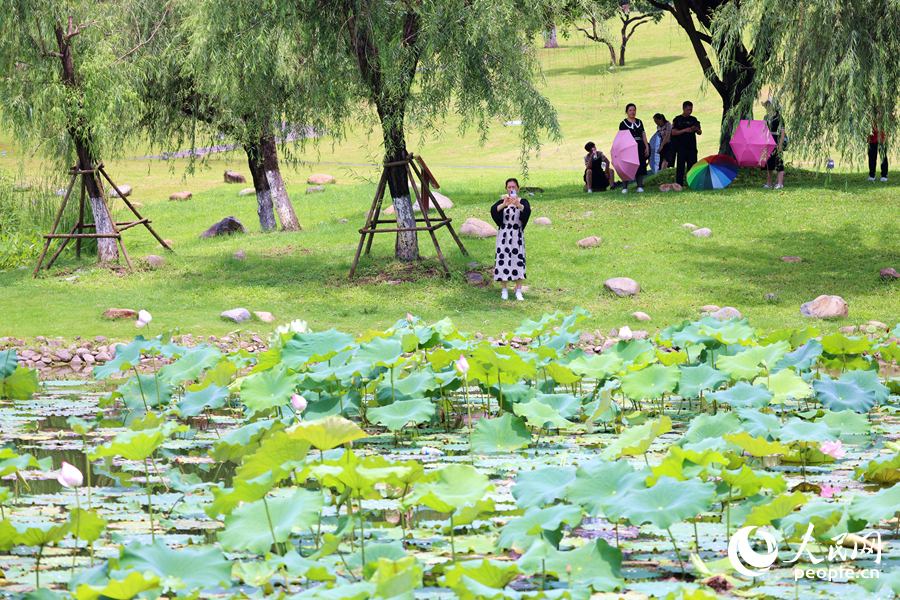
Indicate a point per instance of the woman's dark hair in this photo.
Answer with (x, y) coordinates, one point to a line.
(587, 148)
(660, 117)
(629, 105)
(512, 179)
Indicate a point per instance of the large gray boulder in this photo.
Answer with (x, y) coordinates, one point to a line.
(622, 286)
(478, 228)
(238, 315)
(825, 307)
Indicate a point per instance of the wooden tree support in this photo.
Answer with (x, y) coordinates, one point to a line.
(423, 197)
(80, 226)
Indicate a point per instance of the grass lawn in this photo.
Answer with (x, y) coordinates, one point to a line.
(844, 232)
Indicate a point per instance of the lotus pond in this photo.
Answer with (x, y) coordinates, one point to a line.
(423, 462)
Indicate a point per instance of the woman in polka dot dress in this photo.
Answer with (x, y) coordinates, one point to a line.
(511, 214)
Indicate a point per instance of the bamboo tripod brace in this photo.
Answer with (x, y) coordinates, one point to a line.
(423, 197)
(80, 226)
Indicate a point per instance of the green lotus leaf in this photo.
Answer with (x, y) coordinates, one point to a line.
(889, 353)
(244, 440)
(452, 487)
(503, 434)
(10, 462)
(328, 433)
(416, 384)
(796, 430)
(20, 385)
(361, 590)
(566, 405)
(695, 380)
(759, 424)
(755, 446)
(304, 348)
(489, 363)
(596, 564)
(381, 352)
(874, 509)
(686, 334)
(780, 507)
(571, 322)
(666, 503)
(141, 390)
(86, 525)
(838, 343)
(823, 516)
(742, 395)
(191, 365)
(711, 426)
(137, 445)
(884, 469)
(268, 389)
(729, 332)
(599, 483)
(848, 422)
(598, 366)
(667, 359)
(538, 523)
(248, 527)
(785, 385)
(197, 400)
(126, 357)
(33, 533)
(650, 382)
(397, 579)
(795, 337)
(468, 514)
(843, 395)
(633, 352)
(298, 566)
(244, 490)
(128, 587)
(197, 567)
(561, 374)
(801, 359)
(9, 362)
(682, 464)
(637, 440)
(749, 482)
(749, 363)
(542, 486)
(279, 454)
(399, 414)
(492, 573)
(540, 416)
(868, 381)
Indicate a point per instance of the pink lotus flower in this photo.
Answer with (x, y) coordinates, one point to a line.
(144, 318)
(410, 318)
(833, 449)
(69, 476)
(828, 491)
(462, 365)
(298, 402)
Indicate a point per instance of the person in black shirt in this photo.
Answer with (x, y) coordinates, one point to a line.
(685, 130)
(636, 127)
(511, 215)
(776, 128)
(598, 174)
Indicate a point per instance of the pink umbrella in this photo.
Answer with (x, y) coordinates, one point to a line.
(624, 155)
(752, 143)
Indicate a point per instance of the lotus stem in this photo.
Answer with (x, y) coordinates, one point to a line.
(149, 499)
(362, 530)
(452, 543)
(141, 387)
(77, 527)
(37, 568)
(271, 529)
(677, 553)
(696, 537)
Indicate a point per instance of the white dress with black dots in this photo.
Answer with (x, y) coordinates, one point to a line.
(509, 262)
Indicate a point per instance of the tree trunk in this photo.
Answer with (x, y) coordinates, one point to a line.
(107, 250)
(612, 54)
(736, 88)
(550, 37)
(407, 245)
(280, 197)
(261, 185)
(622, 53)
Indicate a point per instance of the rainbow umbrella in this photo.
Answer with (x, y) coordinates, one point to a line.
(712, 173)
(624, 155)
(752, 143)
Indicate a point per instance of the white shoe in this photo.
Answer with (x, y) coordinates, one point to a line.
(519, 295)
(779, 186)
(590, 191)
(766, 185)
(504, 295)
(884, 178)
(640, 190)
(625, 191)
(870, 179)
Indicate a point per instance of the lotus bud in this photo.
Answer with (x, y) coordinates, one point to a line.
(298, 402)
(410, 318)
(139, 324)
(462, 365)
(145, 317)
(69, 476)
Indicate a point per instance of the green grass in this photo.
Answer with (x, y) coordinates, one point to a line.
(844, 233)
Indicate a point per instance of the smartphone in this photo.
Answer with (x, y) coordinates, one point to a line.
(513, 193)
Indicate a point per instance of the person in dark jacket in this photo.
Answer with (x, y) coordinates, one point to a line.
(511, 214)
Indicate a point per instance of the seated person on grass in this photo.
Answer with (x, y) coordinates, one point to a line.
(598, 172)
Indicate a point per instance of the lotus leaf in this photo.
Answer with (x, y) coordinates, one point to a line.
(599, 483)
(684, 464)
(137, 445)
(397, 579)
(244, 440)
(279, 454)
(489, 364)
(129, 586)
(838, 343)
(361, 590)
(755, 446)
(248, 527)
(796, 337)
(801, 359)
(191, 365)
(540, 416)
(244, 490)
(86, 525)
(637, 440)
(451, 488)
(197, 567)
(778, 508)
(9, 362)
(126, 357)
(695, 380)
(542, 486)
(804, 432)
(633, 352)
(538, 523)
(20, 385)
(711, 426)
(874, 509)
(196, 400)
(399, 414)
(728, 332)
(668, 359)
(221, 374)
(503, 434)
(470, 513)
(868, 381)
(759, 424)
(297, 566)
(785, 385)
(10, 462)
(596, 564)
(823, 516)
(750, 482)
(848, 422)
(328, 433)
(492, 573)
(884, 469)
(844, 395)
(650, 382)
(266, 390)
(416, 384)
(666, 503)
(749, 363)
(743, 395)
(566, 405)
(304, 348)
(599, 366)
(381, 353)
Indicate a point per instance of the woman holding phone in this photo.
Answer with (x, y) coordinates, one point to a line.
(511, 214)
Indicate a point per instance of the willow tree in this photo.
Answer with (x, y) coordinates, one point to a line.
(411, 64)
(589, 17)
(61, 85)
(832, 66)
